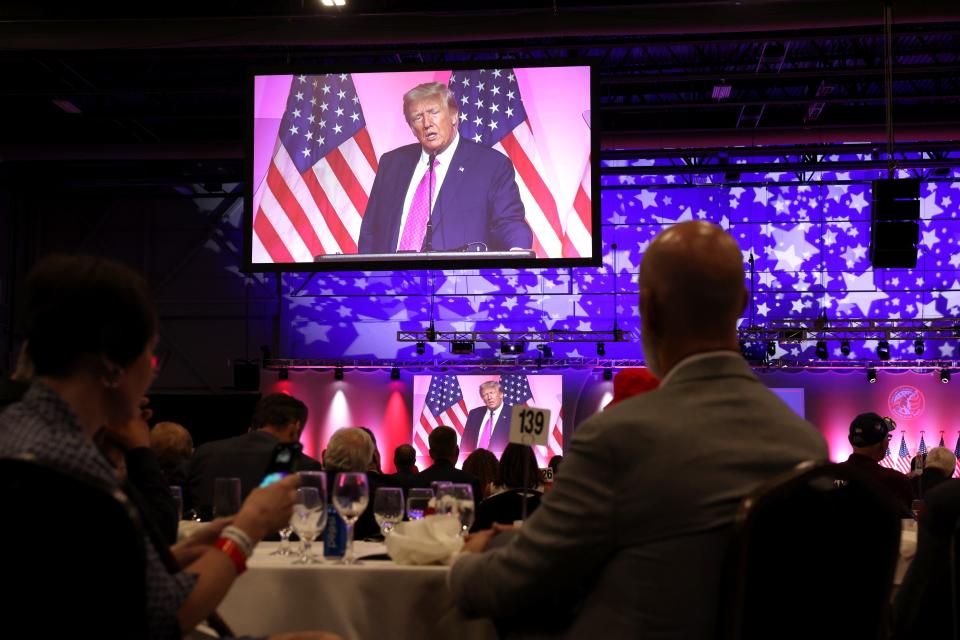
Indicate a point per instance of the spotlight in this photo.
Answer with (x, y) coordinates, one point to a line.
(918, 347)
(872, 376)
(421, 348)
(944, 376)
(338, 373)
(395, 373)
(545, 350)
(431, 333)
(607, 374)
(845, 347)
(822, 350)
(771, 348)
(601, 349)
(284, 374)
(511, 348)
(883, 350)
(461, 347)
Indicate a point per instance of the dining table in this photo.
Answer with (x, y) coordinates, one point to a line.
(375, 598)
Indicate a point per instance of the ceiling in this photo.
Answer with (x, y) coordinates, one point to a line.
(116, 82)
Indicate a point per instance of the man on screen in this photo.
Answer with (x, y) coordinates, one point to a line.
(475, 200)
(488, 427)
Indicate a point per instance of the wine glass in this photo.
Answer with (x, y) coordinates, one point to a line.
(417, 503)
(351, 494)
(388, 508)
(226, 497)
(308, 517)
(445, 503)
(466, 506)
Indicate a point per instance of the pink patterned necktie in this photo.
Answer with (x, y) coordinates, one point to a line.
(485, 439)
(416, 227)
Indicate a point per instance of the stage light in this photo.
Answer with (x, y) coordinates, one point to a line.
(918, 347)
(601, 349)
(545, 350)
(338, 373)
(771, 348)
(333, 3)
(462, 347)
(511, 348)
(845, 347)
(431, 333)
(872, 376)
(421, 348)
(607, 374)
(822, 350)
(395, 373)
(944, 376)
(284, 374)
(883, 350)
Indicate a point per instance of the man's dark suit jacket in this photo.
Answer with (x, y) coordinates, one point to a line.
(479, 201)
(501, 430)
(245, 457)
(442, 470)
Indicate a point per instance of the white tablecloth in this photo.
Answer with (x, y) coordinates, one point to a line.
(376, 599)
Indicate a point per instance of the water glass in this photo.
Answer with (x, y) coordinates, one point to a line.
(388, 508)
(418, 501)
(445, 503)
(465, 505)
(226, 497)
(177, 493)
(307, 520)
(351, 495)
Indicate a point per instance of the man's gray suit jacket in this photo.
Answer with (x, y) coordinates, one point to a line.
(638, 520)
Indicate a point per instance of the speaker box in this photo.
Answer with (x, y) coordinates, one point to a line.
(246, 375)
(894, 231)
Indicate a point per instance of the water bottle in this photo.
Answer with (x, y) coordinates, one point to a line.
(335, 535)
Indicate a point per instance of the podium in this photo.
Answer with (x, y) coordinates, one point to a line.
(474, 258)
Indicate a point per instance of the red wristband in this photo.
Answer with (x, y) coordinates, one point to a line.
(233, 552)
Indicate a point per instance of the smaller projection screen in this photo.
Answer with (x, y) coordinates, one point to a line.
(426, 168)
(455, 401)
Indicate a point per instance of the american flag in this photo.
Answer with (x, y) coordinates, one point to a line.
(903, 458)
(316, 188)
(492, 114)
(922, 449)
(942, 444)
(577, 235)
(887, 459)
(516, 391)
(444, 405)
(956, 452)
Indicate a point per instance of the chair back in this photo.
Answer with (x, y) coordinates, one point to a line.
(75, 548)
(813, 554)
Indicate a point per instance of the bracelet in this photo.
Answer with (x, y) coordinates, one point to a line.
(233, 552)
(240, 538)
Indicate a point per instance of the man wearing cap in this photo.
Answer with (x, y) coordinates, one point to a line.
(870, 437)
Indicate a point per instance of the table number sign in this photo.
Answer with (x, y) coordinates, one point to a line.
(529, 425)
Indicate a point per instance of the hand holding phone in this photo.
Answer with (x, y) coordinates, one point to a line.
(282, 462)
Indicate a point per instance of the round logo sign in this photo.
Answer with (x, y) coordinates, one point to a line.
(905, 402)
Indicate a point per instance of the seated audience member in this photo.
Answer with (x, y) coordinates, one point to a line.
(351, 450)
(555, 465)
(92, 329)
(622, 544)
(505, 506)
(276, 418)
(870, 437)
(483, 465)
(938, 468)
(375, 466)
(444, 452)
(174, 447)
(404, 459)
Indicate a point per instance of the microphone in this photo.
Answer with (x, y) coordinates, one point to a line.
(428, 236)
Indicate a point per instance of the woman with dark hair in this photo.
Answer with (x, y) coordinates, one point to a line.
(518, 480)
(91, 330)
(483, 465)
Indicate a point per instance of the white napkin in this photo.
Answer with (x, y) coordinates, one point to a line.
(433, 540)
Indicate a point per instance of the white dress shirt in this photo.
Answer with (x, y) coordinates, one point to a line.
(444, 158)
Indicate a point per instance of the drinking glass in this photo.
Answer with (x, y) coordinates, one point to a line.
(445, 503)
(308, 517)
(437, 485)
(226, 497)
(351, 494)
(418, 501)
(388, 508)
(177, 493)
(464, 495)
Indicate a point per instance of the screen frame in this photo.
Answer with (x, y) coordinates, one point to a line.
(595, 260)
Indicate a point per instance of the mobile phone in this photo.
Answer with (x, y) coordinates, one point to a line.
(282, 462)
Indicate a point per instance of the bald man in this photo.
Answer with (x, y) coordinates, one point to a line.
(631, 540)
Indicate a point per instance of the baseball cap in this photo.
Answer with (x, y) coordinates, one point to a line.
(869, 428)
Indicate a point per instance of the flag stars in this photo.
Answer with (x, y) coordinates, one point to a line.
(341, 94)
(355, 116)
(494, 108)
(492, 125)
(477, 138)
(495, 90)
(323, 124)
(465, 82)
(339, 111)
(478, 121)
(325, 88)
(313, 102)
(337, 129)
(479, 104)
(480, 86)
(294, 130)
(510, 95)
(509, 112)
(355, 100)
(324, 106)
(296, 113)
(464, 99)
(311, 119)
(309, 135)
(496, 73)
(511, 77)
(306, 152)
(320, 140)
(299, 95)
(343, 77)
(302, 79)
(463, 116)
